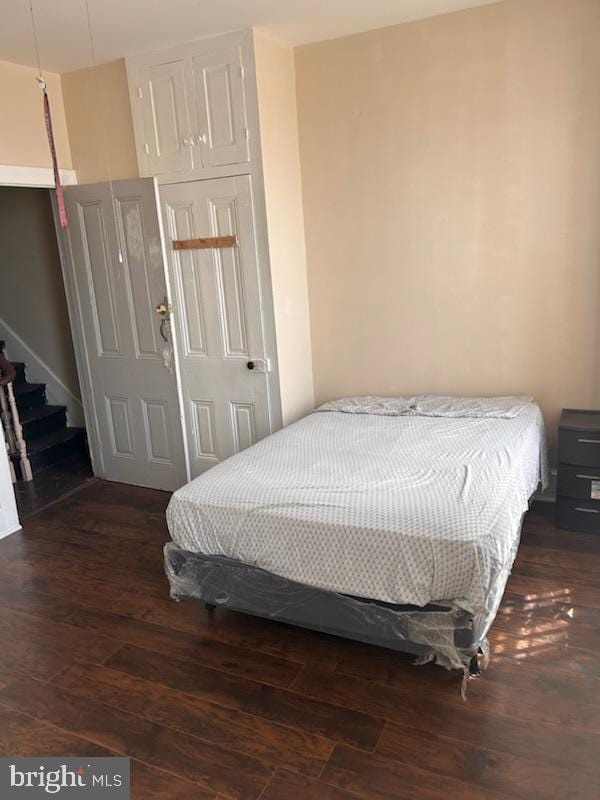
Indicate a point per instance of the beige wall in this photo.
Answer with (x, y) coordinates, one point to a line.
(451, 174)
(99, 121)
(32, 296)
(23, 139)
(283, 191)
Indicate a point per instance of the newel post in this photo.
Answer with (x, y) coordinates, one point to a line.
(21, 445)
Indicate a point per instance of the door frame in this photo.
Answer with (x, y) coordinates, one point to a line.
(43, 178)
(25, 177)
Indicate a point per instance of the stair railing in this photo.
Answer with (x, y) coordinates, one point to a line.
(15, 441)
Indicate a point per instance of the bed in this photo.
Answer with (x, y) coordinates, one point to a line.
(394, 521)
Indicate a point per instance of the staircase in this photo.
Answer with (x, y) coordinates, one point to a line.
(45, 430)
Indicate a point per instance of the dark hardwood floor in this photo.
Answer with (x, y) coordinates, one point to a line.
(51, 483)
(96, 660)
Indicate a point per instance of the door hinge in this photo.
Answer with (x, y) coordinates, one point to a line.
(147, 149)
(247, 134)
(140, 94)
(242, 71)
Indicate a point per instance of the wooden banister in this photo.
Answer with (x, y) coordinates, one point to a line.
(15, 441)
(7, 371)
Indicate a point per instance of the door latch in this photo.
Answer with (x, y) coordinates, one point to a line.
(259, 365)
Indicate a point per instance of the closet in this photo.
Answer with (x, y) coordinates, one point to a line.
(232, 335)
(190, 106)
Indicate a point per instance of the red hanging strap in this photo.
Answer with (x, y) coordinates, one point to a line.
(60, 199)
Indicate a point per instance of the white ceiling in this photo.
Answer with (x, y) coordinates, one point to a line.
(122, 27)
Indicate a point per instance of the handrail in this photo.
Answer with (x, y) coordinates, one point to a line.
(7, 371)
(9, 412)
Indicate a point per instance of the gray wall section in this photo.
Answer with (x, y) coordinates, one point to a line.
(32, 295)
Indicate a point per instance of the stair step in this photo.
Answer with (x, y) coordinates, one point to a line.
(41, 443)
(29, 395)
(54, 446)
(40, 420)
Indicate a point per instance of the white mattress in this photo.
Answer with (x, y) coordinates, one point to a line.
(406, 509)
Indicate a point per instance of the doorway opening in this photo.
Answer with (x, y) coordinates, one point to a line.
(44, 413)
(152, 419)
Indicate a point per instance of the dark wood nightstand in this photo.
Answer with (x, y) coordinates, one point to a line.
(578, 490)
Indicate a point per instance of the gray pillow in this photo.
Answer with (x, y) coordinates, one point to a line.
(371, 404)
(505, 407)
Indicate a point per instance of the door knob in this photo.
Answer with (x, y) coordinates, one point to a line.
(164, 312)
(251, 365)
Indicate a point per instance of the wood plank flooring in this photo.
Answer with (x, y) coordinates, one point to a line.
(97, 660)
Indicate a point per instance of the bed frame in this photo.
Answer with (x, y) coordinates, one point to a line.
(453, 635)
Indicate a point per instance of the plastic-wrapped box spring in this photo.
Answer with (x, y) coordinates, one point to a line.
(450, 635)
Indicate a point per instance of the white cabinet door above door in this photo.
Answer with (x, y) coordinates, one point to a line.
(191, 105)
(168, 141)
(218, 316)
(132, 400)
(218, 92)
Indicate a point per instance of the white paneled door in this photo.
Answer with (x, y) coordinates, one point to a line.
(115, 277)
(223, 358)
(168, 145)
(220, 105)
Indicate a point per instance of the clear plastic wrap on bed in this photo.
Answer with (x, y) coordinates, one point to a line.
(450, 636)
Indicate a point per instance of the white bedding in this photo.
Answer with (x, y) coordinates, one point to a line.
(407, 509)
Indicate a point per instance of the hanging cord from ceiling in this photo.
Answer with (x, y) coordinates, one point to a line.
(104, 127)
(36, 43)
(62, 212)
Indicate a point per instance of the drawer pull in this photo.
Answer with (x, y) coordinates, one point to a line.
(589, 441)
(588, 477)
(587, 510)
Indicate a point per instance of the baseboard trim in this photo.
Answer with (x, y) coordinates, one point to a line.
(39, 372)
(10, 531)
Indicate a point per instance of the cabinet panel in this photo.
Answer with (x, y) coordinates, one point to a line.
(218, 91)
(168, 142)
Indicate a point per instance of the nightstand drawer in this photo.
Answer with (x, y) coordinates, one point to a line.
(579, 482)
(579, 448)
(578, 515)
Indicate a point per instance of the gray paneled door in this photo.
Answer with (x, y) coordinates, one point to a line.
(218, 315)
(132, 392)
